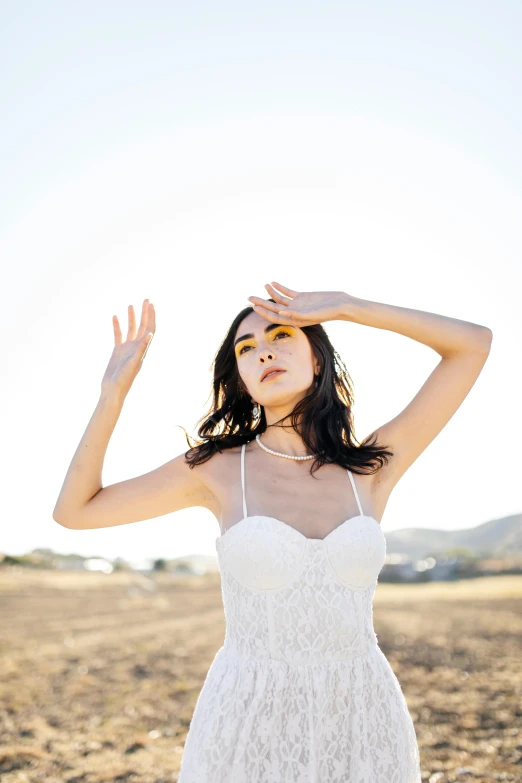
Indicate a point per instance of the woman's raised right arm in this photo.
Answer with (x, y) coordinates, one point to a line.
(83, 503)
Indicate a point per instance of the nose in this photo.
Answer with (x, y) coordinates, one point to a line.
(266, 356)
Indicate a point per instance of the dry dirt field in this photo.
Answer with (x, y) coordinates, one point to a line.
(100, 673)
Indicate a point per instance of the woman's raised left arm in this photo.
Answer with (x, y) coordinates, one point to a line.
(464, 347)
(447, 336)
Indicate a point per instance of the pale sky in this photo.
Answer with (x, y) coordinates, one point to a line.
(190, 153)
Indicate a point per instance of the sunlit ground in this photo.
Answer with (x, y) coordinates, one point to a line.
(100, 673)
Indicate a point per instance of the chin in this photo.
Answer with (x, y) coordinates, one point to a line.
(284, 397)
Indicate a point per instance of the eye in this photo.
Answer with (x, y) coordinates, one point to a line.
(281, 332)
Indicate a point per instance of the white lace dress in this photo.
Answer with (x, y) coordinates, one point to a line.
(300, 691)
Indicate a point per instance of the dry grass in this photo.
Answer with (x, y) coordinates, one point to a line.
(101, 673)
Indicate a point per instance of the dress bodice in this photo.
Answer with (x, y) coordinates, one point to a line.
(300, 689)
(298, 599)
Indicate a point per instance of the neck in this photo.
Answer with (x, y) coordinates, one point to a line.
(285, 440)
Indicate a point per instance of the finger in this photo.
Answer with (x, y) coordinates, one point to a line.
(284, 289)
(132, 324)
(144, 318)
(117, 330)
(256, 300)
(293, 315)
(276, 295)
(152, 319)
(275, 318)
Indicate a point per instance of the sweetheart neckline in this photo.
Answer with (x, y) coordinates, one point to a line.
(285, 524)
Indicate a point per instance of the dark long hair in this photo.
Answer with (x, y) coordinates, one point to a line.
(323, 419)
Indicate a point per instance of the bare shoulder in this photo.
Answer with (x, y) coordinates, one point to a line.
(219, 474)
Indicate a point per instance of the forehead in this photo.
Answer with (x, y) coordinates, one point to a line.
(255, 324)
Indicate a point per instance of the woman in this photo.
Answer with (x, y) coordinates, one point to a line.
(300, 690)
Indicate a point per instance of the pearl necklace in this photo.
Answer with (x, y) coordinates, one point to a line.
(278, 454)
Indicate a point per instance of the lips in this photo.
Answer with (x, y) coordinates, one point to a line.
(272, 372)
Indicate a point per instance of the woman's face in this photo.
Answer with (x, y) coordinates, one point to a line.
(261, 344)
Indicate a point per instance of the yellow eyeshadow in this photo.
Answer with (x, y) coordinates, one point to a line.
(277, 331)
(242, 345)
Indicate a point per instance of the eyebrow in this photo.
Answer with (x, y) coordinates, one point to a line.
(249, 336)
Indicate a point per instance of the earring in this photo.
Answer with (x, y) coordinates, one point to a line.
(255, 409)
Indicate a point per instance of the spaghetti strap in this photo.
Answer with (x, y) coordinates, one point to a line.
(355, 491)
(243, 479)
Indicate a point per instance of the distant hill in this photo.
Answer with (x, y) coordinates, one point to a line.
(497, 537)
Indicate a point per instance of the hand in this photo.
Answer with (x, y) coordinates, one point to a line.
(301, 308)
(127, 357)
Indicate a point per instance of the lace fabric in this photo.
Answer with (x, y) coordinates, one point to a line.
(300, 691)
